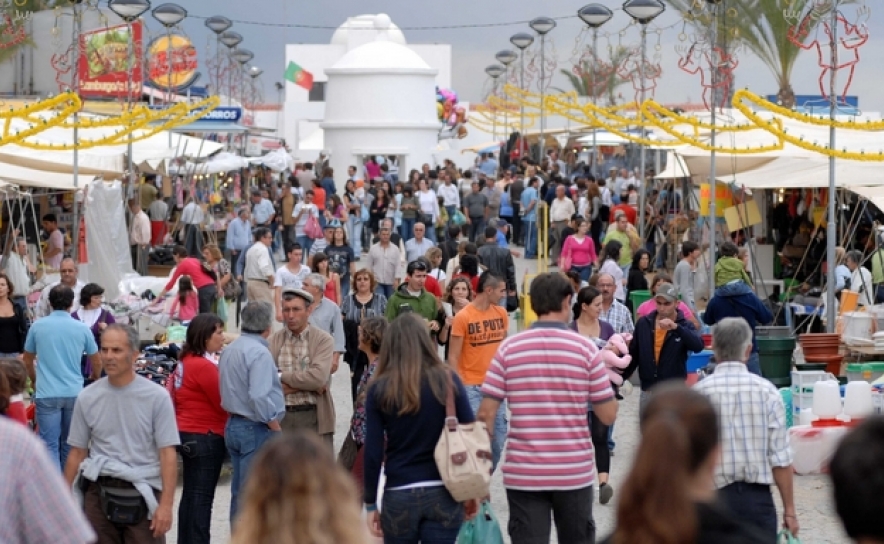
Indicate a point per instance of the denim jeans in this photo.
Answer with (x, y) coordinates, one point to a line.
(753, 504)
(754, 364)
(530, 238)
(306, 243)
(450, 210)
(474, 394)
(428, 515)
(354, 234)
(530, 516)
(406, 229)
(477, 228)
(384, 289)
(584, 271)
(202, 456)
(431, 232)
(54, 416)
(345, 286)
(243, 438)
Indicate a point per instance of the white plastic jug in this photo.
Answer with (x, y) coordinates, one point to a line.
(858, 400)
(826, 399)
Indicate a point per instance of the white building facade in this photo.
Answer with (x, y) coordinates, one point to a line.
(306, 111)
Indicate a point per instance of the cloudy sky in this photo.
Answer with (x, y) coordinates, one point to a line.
(486, 28)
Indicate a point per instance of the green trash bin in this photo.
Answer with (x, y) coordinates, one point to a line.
(775, 358)
(637, 298)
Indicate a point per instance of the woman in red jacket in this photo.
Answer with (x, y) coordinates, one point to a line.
(205, 284)
(196, 395)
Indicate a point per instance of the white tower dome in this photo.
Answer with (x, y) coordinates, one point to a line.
(361, 29)
(380, 100)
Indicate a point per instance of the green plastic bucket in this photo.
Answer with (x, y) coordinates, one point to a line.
(638, 298)
(775, 358)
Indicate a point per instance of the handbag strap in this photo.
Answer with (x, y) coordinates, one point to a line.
(450, 413)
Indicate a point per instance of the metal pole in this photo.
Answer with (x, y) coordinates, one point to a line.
(218, 65)
(595, 64)
(75, 84)
(169, 53)
(542, 98)
(494, 114)
(831, 235)
(712, 166)
(522, 147)
(506, 112)
(130, 166)
(641, 180)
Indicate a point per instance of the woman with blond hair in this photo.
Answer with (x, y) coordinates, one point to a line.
(225, 283)
(405, 414)
(297, 494)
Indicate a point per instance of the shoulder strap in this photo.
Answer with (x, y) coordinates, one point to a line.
(450, 413)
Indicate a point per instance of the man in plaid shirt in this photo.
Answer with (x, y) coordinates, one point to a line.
(755, 451)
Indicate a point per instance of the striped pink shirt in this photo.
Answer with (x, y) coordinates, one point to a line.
(548, 375)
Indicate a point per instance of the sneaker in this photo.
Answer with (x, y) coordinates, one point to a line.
(605, 493)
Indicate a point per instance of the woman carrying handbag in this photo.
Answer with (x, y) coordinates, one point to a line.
(405, 411)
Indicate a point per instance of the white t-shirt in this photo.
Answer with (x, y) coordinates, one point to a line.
(286, 278)
(309, 209)
(438, 274)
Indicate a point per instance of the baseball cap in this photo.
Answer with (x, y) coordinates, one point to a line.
(497, 223)
(333, 224)
(300, 293)
(667, 291)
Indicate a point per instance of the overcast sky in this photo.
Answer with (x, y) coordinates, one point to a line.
(474, 48)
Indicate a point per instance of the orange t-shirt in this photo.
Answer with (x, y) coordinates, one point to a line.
(482, 332)
(659, 337)
(319, 197)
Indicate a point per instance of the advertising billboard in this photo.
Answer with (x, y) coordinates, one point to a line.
(176, 52)
(105, 62)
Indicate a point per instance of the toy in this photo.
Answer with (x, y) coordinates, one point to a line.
(616, 357)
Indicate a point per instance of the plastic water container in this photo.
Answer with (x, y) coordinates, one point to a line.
(826, 399)
(813, 447)
(858, 400)
(857, 372)
(696, 361)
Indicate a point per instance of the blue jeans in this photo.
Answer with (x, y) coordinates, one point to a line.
(384, 289)
(306, 243)
(54, 416)
(202, 456)
(474, 394)
(345, 286)
(450, 210)
(584, 271)
(754, 364)
(530, 227)
(429, 515)
(431, 232)
(354, 233)
(753, 504)
(406, 229)
(477, 228)
(243, 438)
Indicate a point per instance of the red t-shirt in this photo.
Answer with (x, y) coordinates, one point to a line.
(625, 208)
(16, 412)
(190, 266)
(432, 286)
(196, 394)
(319, 198)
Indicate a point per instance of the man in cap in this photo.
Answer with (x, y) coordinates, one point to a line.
(662, 342)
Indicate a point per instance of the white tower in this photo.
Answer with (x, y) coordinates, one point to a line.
(380, 100)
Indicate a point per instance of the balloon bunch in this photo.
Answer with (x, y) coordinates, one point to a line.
(451, 114)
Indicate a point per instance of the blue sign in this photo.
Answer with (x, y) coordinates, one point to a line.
(221, 114)
(818, 105)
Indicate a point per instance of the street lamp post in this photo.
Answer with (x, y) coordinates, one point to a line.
(494, 71)
(713, 177)
(255, 73)
(595, 15)
(643, 12)
(129, 11)
(506, 57)
(242, 56)
(218, 25)
(169, 15)
(75, 86)
(542, 25)
(231, 39)
(522, 40)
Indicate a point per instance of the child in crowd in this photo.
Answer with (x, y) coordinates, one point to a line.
(729, 266)
(13, 380)
(187, 302)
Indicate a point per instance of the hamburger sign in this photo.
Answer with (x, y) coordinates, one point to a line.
(106, 62)
(176, 52)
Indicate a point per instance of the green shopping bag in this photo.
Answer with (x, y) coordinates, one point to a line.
(786, 537)
(482, 529)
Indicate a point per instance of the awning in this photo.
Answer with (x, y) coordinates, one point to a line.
(211, 126)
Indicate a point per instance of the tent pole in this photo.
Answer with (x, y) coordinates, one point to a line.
(75, 86)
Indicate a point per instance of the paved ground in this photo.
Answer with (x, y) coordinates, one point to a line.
(816, 513)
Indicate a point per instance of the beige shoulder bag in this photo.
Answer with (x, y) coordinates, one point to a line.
(463, 454)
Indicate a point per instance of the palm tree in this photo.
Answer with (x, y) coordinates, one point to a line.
(591, 78)
(14, 22)
(762, 27)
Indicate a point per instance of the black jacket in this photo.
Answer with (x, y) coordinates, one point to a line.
(673, 356)
(500, 262)
(719, 526)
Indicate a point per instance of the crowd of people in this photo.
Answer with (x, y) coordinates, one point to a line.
(414, 304)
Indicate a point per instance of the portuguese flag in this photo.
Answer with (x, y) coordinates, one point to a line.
(299, 76)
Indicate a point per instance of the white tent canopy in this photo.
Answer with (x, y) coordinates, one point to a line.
(28, 177)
